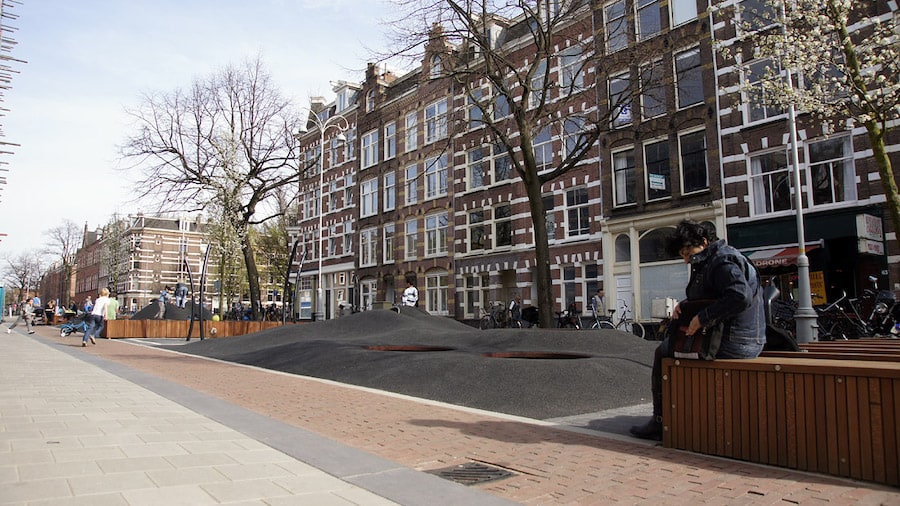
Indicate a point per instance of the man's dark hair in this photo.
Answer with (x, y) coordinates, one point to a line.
(688, 233)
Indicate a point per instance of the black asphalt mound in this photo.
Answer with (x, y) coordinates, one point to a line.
(538, 373)
(173, 312)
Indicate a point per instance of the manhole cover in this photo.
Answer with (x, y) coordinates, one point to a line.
(472, 473)
(407, 348)
(547, 355)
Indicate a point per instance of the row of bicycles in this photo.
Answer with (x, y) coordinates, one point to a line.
(876, 313)
(499, 316)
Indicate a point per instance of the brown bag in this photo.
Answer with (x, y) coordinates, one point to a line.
(702, 345)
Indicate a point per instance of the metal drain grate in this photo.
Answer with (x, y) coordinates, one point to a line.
(472, 473)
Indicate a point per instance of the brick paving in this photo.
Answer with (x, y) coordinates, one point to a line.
(551, 465)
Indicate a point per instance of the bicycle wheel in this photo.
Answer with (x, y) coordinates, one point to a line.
(603, 325)
(633, 327)
(486, 323)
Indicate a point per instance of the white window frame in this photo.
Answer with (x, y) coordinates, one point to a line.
(755, 110)
(537, 84)
(663, 141)
(437, 290)
(412, 131)
(436, 176)
(622, 110)
(436, 121)
(682, 11)
(764, 185)
(500, 222)
(368, 247)
(571, 70)
(578, 219)
(688, 76)
(390, 190)
(411, 184)
(369, 149)
(653, 92)
(621, 184)
(476, 175)
(388, 243)
(843, 163)
(649, 11)
(477, 224)
(542, 144)
(437, 226)
(615, 23)
(410, 237)
(390, 140)
(368, 197)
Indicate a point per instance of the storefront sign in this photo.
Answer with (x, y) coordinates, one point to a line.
(869, 227)
(871, 247)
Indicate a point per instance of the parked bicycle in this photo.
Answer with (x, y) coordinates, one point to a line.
(625, 323)
(498, 318)
(569, 319)
(840, 320)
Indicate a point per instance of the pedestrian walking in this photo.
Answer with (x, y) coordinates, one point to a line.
(96, 317)
(26, 314)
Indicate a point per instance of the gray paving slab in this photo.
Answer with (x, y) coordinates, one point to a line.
(78, 429)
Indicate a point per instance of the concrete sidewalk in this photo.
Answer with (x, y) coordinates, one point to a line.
(74, 433)
(80, 431)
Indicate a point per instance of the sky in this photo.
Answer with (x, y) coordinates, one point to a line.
(88, 61)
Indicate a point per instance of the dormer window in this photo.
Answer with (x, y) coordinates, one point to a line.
(436, 67)
(370, 101)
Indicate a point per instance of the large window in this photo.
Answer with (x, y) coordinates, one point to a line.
(620, 100)
(412, 132)
(390, 191)
(653, 93)
(616, 25)
(412, 184)
(501, 106)
(476, 230)
(694, 174)
(501, 163)
(578, 212)
(436, 226)
(388, 243)
(688, 78)
(350, 145)
(649, 20)
(476, 114)
(543, 149)
(368, 197)
(771, 182)
(368, 247)
(436, 121)
(436, 176)
(411, 237)
(476, 174)
(656, 163)
(760, 105)
(571, 70)
(502, 225)
(683, 11)
(390, 140)
(477, 294)
(437, 289)
(370, 148)
(549, 206)
(831, 171)
(624, 178)
(573, 134)
(756, 14)
(538, 80)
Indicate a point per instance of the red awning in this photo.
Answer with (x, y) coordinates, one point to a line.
(778, 256)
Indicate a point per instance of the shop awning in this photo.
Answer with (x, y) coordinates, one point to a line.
(778, 256)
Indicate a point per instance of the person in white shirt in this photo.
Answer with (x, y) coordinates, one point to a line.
(410, 295)
(96, 318)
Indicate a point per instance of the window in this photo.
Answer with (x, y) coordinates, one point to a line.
(368, 197)
(388, 243)
(477, 294)
(649, 20)
(437, 285)
(502, 163)
(502, 225)
(756, 14)
(620, 100)
(501, 106)
(616, 26)
(436, 176)
(370, 101)
(436, 226)
(578, 212)
(348, 190)
(350, 145)
(335, 152)
(694, 176)
(370, 149)
(412, 185)
(653, 93)
(476, 115)
(573, 133)
(760, 104)
(571, 70)
(390, 140)
(368, 244)
(476, 230)
(656, 163)
(549, 205)
(436, 67)
(688, 78)
(683, 11)
(412, 132)
(770, 182)
(624, 178)
(831, 171)
(436, 121)
(476, 172)
(543, 149)
(538, 84)
(412, 236)
(390, 191)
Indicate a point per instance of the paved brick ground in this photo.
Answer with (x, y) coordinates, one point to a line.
(551, 465)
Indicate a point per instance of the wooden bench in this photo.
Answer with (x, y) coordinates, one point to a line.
(822, 415)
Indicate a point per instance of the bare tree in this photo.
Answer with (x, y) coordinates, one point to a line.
(24, 271)
(227, 140)
(846, 56)
(64, 241)
(225, 244)
(116, 250)
(499, 55)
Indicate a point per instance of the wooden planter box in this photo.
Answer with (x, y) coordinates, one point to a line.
(179, 328)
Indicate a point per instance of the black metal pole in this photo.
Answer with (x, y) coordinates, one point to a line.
(202, 284)
(287, 282)
(191, 281)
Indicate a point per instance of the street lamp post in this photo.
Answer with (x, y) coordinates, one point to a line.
(341, 124)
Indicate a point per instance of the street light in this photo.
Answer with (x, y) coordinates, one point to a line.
(341, 124)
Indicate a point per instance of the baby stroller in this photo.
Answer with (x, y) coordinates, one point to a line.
(76, 325)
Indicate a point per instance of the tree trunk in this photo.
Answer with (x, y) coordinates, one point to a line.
(252, 275)
(542, 280)
(885, 170)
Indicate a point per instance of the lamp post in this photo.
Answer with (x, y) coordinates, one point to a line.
(339, 123)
